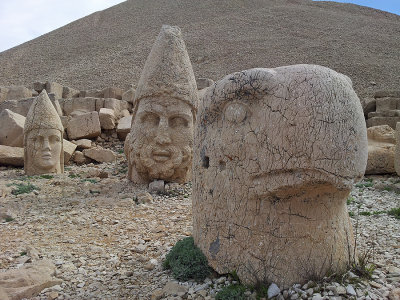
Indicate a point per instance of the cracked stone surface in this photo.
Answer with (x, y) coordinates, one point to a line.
(160, 143)
(276, 154)
(43, 138)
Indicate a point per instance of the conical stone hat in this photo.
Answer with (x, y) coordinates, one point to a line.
(168, 70)
(42, 115)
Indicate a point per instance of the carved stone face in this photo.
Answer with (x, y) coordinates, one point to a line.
(161, 140)
(44, 148)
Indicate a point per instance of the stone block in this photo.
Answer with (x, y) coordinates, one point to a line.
(377, 121)
(203, 83)
(22, 106)
(100, 155)
(91, 93)
(12, 129)
(107, 118)
(3, 93)
(113, 92)
(124, 127)
(18, 92)
(11, 156)
(80, 158)
(70, 93)
(56, 88)
(78, 104)
(383, 94)
(83, 144)
(381, 146)
(69, 149)
(387, 103)
(129, 95)
(386, 113)
(397, 150)
(84, 126)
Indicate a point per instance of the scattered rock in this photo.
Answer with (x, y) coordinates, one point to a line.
(107, 118)
(69, 149)
(83, 144)
(129, 95)
(157, 186)
(124, 127)
(174, 289)
(100, 155)
(273, 290)
(12, 129)
(11, 156)
(86, 125)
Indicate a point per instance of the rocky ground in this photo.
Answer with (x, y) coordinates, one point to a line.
(108, 237)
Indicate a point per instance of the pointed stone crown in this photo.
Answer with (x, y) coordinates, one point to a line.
(168, 71)
(42, 115)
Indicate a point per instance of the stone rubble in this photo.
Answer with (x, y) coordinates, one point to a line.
(108, 245)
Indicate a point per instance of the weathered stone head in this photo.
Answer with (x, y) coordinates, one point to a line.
(43, 138)
(160, 143)
(275, 156)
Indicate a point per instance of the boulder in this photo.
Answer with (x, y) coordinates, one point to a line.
(55, 88)
(88, 104)
(117, 105)
(80, 158)
(91, 93)
(84, 126)
(387, 104)
(18, 92)
(397, 150)
(377, 121)
(39, 86)
(369, 105)
(129, 95)
(11, 156)
(69, 149)
(70, 93)
(22, 106)
(28, 281)
(83, 144)
(107, 118)
(124, 127)
(100, 155)
(203, 83)
(113, 92)
(12, 129)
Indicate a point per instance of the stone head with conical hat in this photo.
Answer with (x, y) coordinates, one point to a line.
(43, 138)
(160, 143)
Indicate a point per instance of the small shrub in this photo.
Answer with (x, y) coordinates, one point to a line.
(351, 214)
(9, 219)
(46, 176)
(74, 175)
(378, 212)
(22, 188)
(186, 261)
(365, 184)
(231, 292)
(92, 180)
(23, 253)
(350, 200)
(395, 212)
(365, 213)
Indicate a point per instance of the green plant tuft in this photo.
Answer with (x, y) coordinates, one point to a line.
(9, 219)
(365, 213)
(23, 253)
(22, 188)
(46, 176)
(395, 212)
(231, 292)
(351, 214)
(186, 261)
(350, 200)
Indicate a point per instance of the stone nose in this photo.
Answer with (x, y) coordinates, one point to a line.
(163, 135)
(46, 144)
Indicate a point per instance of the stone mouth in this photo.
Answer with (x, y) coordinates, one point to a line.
(46, 155)
(161, 155)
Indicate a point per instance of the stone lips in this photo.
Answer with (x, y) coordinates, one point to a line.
(276, 154)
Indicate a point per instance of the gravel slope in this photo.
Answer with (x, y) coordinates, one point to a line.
(110, 47)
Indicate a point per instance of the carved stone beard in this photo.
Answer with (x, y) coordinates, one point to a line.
(175, 167)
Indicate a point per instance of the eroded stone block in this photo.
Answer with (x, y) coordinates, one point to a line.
(11, 156)
(86, 125)
(12, 129)
(107, 118)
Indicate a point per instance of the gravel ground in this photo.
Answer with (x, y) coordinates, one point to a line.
(106, 244)
(109, 48)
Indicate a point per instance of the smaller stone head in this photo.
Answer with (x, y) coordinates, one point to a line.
(43, 138)
(160, 143)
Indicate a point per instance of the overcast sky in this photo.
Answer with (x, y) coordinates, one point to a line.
(24, 20)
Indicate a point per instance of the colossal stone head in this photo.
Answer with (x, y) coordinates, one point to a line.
(160, 143)
(43, 138)
(276, 153)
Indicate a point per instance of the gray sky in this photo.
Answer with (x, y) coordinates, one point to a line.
(24, 20)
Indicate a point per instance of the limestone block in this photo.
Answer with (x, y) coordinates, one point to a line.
(12, 129)
(11, 156)
(129, 95)
(107, 118)
(117, 105)
(56, 88)
(397, 150)
(100, 155)
(385, 113)
(69, 149)
(78, 104)
(39, 86)
(91, 93)
(80, 158)
(383, 94)
(387, 103)
(22, 106)
(83, 144)
(113, 92)
(18, 92)
(276, 154)
(124, 127)
(159, 145)
(381, 146)
(3, 93)
(70, 93)
(29, 280)
(377, 121)
(381, 134)
(84, 126)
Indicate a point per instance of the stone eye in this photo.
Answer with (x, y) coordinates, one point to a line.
(54, 139)
(176, 122)
(236, 112)
(150, 119)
